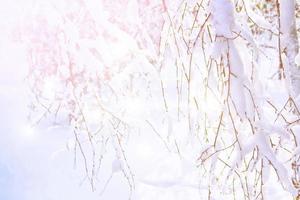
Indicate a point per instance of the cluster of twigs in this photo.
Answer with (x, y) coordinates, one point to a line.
(205, 100)
(224, 136)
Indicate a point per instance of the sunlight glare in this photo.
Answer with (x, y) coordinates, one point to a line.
(28, 131)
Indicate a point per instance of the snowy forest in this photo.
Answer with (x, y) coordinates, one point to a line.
(150, 99)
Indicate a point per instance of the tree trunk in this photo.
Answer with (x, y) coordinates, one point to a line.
(290, 43)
